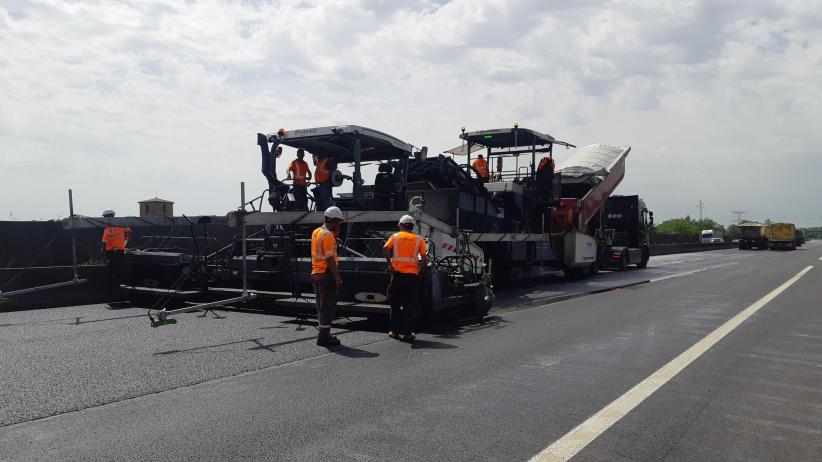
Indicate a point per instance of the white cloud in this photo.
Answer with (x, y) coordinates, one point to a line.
(122, 100)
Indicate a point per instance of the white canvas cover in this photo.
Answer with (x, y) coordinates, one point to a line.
(591, 164)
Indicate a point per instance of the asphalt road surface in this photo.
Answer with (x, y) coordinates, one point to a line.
(706, 356)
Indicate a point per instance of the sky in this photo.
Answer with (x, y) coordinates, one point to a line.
(721, 101)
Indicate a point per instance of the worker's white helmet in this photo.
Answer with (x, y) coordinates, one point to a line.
(108, 213)
(334, 212)
(406, 220)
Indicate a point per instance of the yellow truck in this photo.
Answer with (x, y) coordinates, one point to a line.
(752, 234)
(782, 236)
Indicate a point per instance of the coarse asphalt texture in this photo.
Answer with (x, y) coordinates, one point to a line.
(96, 382)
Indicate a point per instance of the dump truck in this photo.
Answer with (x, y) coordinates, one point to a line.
(800, 237)
(782, 236)
(753, 235)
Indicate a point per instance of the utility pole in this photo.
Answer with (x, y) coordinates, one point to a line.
(701, 206)
(739, 214)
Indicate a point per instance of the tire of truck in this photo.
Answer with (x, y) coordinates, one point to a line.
(646, 255)
(482, 304)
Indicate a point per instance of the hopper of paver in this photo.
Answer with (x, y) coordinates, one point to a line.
(591, 174)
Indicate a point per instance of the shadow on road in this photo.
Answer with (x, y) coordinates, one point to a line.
(351, 352)
(431, 345)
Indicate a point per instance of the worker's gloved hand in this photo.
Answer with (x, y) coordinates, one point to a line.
(339, 282)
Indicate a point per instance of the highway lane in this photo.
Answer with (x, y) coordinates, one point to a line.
(502, 390)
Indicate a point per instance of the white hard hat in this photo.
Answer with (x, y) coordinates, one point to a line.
(108, 212)
(334, 212)
(406, 220)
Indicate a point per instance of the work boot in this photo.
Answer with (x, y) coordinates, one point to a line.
(327, 340)
(393, 334)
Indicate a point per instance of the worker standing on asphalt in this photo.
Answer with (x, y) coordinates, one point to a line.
(299, 171)
(481, 165)
(325, 166)
(115, 240)
(325, 273)
(402, 251)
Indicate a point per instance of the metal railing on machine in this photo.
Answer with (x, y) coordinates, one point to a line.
(76, 277)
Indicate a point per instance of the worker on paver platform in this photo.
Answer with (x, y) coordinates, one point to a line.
(481, 165)
(115, 240)
(545, 174)
(301, 175)
(325, 273)
(322, 175)
(406, 256)
(545, 162)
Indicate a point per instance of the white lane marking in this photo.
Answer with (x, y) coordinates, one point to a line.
(688, 273)
(581, 436)
(820, 258)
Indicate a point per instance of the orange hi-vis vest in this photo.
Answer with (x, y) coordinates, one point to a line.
(482, 167)
(406, 246)
(115, 237)
(323, 173)
(299, 169)
(546, 161)
(323, 245)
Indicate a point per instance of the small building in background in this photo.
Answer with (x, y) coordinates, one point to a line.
(156, 207)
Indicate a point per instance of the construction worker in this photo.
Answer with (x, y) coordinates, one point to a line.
(325, 273)
(406, 256)
(115, 240)
(481, 166)
(545, 162)
(301, 175)
(498, 176)
(276, 188)
(322, 176)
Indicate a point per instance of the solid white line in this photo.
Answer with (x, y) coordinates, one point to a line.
(581, 436)
(820, 258)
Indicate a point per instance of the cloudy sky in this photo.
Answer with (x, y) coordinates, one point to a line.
(122, 101)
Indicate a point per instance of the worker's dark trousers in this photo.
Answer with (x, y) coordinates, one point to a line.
(300, 197)
(404, 295)
(114, 267)
(323, 195)
(325, 289)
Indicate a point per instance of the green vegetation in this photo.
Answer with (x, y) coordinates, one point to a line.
(688, 225)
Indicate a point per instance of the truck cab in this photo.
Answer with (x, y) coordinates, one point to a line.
(710, 236)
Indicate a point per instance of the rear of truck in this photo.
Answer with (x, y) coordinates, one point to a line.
(753, 235)
(782, 236)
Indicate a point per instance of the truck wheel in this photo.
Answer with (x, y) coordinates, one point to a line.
(646, 255)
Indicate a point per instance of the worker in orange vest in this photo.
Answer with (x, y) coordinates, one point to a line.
(545, 175)
(325, 273)
(115, 240)
(406, 256)
(322, 176)
(301, 175)
(481, 165)
(545, 162)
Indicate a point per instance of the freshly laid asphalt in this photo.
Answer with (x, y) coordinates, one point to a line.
(96, 383)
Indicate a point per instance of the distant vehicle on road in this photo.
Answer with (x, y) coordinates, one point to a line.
(800, 237)
(710, 236)
(752, 234)
(782, 236)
